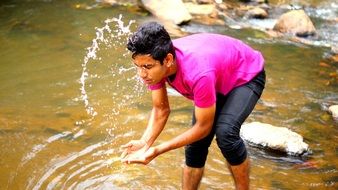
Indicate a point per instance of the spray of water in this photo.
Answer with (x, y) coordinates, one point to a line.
(92, 50)
(66, 170)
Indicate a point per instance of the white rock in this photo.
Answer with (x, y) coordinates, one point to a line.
(334, 111)
(277, 138)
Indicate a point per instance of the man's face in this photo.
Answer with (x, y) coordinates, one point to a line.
(150, 70)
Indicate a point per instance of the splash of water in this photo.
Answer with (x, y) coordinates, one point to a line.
(92, 50)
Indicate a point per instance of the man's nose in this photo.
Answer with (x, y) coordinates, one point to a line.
(142, 72)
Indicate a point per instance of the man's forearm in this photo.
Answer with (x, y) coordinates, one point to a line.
(194, 134)
(157, 121)
(202, 127)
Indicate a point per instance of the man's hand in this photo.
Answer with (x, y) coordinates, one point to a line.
(142, 156)
(131, 147)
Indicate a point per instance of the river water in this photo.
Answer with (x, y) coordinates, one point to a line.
(64, 114)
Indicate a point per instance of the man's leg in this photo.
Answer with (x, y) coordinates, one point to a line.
(240, 174)
(195, 157)
(238, 105)
(235, 111)
(191, 177)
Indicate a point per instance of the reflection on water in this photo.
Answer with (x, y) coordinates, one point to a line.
(49, 141)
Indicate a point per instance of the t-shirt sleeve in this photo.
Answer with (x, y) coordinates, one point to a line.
(204, 91)
(157, 86)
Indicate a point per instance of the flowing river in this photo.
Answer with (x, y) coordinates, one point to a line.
(70, 97)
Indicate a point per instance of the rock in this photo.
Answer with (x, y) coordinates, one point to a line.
(110, 2)
(334, 49)
(323, 64)
(254, 1)
(334, 111)
(295, 22)
(259, 1)
(334, 58)
(257, 13)
(222, 7)
(204, 1)
(206, 9)
(245, 1)
(173, 10)
(276, 138)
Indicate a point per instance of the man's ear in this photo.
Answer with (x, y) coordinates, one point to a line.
(169, 60)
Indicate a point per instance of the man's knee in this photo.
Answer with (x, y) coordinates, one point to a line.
(197, 152)
(231, 144)
(195, 157)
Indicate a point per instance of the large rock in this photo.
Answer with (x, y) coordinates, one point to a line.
(295, 22)
(173, 10)
(334, 111)
(276, 138)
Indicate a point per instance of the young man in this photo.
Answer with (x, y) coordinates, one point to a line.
(222, 76)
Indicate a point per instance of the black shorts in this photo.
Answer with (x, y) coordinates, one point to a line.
(231, 112)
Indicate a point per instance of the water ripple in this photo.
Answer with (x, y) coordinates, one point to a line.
(66, 161)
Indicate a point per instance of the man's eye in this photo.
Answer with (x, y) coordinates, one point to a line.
(147, 66)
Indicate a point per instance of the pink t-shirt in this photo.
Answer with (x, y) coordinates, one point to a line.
(208, 64)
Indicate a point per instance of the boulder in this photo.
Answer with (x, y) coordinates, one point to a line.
(272, 137)
(173, 10)
(334, 111)
(295, 22)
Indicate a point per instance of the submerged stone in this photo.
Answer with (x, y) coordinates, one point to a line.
(276, 138)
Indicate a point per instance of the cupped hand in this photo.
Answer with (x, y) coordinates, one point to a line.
(142, 156)
(132, 146)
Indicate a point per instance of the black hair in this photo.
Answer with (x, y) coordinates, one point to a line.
(151, 38)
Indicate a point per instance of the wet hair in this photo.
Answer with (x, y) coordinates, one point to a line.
(151, 38)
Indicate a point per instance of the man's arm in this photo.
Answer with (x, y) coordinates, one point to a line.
(202, 127)
(159, 116)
